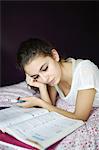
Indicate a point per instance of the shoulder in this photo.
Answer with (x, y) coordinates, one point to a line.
(86, 75)
(78, 63)
(87, 65)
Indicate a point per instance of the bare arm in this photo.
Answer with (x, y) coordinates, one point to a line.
(84, 103)
(52, 94)
(44, 93)
(83, 106)
(42, 88)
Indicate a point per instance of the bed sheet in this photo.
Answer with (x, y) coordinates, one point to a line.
(84, 138)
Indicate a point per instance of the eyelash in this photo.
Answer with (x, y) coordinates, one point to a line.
(36, 77)
(42, 70)
(45, 69)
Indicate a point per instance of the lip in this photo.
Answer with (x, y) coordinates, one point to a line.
(52, 82)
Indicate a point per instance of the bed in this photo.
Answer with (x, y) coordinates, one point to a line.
(84, 138)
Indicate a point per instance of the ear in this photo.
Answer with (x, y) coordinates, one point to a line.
(55, 54)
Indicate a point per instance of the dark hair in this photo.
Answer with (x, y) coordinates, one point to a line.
(31, 48)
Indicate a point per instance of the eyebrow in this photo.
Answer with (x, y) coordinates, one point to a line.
(40, 70)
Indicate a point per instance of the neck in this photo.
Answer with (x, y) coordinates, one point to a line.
(66, 69)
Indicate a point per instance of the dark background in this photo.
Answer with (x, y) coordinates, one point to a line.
(72, 26)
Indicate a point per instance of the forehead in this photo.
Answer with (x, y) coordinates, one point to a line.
(34, 66)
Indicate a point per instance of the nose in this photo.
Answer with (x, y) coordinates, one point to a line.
(44, 77)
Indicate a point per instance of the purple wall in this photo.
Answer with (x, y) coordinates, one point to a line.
(71, 26)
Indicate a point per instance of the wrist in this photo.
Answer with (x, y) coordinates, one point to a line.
(47, 106)
(43, 87)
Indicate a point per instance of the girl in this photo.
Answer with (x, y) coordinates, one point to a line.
(75, 81)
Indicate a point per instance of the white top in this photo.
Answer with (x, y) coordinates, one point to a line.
(85, 76)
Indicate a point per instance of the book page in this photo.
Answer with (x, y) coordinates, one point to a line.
(17, 114)
(45, 130)
(7, 146)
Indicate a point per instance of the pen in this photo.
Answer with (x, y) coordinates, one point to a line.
(20, 101)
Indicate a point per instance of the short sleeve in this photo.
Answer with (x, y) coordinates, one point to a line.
(87, 75)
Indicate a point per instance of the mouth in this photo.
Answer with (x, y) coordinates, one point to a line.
(52, 82)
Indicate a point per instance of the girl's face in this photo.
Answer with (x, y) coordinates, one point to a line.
(43, 69)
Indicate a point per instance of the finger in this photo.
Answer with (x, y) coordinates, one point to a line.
(26, 75)
(26, 98)
(29, 81)
(25, 104)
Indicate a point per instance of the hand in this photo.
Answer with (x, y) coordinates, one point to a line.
(30, 102)
(42, 88)
(30, 81)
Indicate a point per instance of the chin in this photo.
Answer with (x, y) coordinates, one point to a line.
(57, 81)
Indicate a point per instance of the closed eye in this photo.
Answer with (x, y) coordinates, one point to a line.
(45, 68)
(36, 77)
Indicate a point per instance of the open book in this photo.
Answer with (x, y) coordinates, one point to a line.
(36, 127)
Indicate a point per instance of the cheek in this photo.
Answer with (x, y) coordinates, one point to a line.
(52, 69)
(55, 69)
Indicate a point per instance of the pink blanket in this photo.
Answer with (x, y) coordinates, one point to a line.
(84, 138)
